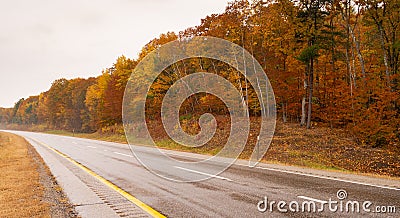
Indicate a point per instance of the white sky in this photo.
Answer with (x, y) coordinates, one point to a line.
(44, 40)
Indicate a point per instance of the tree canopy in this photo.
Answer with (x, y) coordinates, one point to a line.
(331, 62)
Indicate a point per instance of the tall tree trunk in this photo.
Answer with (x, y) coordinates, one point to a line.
(333, 71)
(351, 71)
(385, 59)
(284, 112)
(379, 24)
(303, 111)
(303, 105)
(358, 50)
(310, 92)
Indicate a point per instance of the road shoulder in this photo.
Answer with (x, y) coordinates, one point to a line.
(90, 196)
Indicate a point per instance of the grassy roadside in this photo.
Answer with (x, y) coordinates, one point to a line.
(318, 148)
(26, 187)
(97, 136)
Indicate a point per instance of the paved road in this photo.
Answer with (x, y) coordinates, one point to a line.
(234, 193)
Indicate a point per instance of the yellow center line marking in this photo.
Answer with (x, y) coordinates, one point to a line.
(125, 194)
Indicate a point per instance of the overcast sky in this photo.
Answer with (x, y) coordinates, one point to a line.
(44, 40)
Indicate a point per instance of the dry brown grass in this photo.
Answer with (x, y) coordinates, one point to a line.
(21, 192)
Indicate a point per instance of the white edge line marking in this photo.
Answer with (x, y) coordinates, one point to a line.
(206, 174)
(328, 178)
(91, 146)
(305, 174)
(126, 155)
(312, 199)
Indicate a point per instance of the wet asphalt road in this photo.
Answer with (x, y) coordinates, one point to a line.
(236, 192)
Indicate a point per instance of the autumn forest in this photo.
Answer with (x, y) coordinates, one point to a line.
(331, 63)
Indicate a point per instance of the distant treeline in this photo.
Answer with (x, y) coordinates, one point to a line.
(330, 62)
